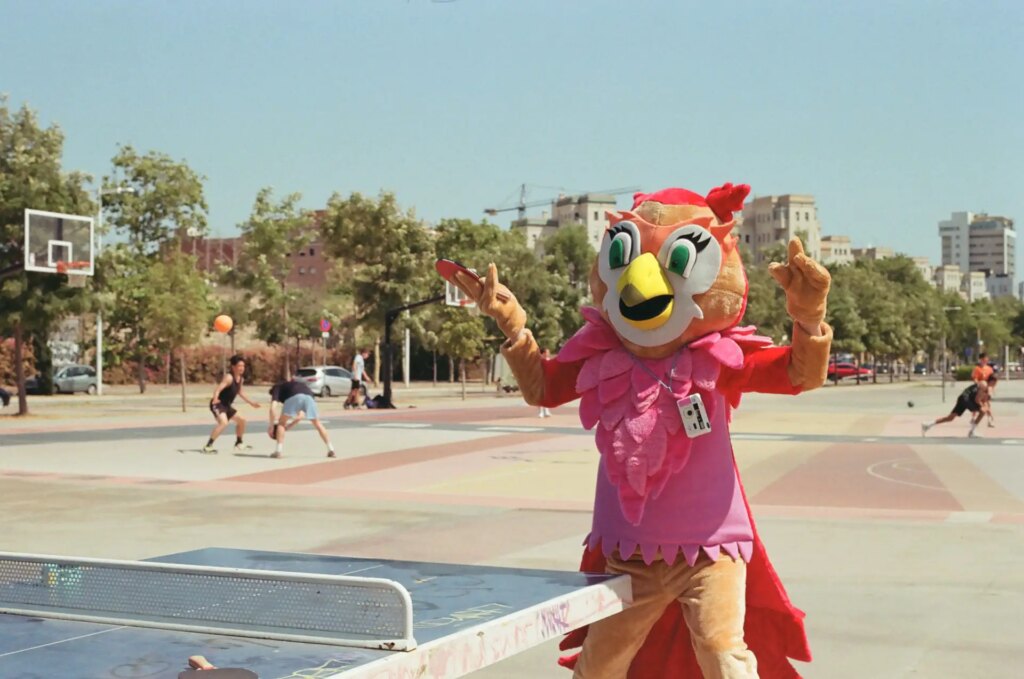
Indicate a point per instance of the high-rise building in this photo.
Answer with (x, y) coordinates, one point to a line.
(999, 285)
(973, 286)
(980, 243)
(992, 246)
(954, 234)
(836, 250)
(925, 267)
(588, 209)
(873, 253)
(774, 220)
(948, 277)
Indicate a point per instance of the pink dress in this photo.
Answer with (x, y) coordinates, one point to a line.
(657, 489)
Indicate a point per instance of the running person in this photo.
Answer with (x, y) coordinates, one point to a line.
(296, 402)
(976, 398)
(359, 374)
(980, 374)
(221, 405)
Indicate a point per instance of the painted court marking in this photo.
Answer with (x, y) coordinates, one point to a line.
(515, 429)
(897, 465)
(762, 437)
(400, 425)
(61, 641)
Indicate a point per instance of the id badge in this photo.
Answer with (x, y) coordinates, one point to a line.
(694, 416)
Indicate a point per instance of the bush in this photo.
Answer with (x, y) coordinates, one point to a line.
(7, 360)
(963, 372)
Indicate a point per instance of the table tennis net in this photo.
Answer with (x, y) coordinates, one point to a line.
(344, 610)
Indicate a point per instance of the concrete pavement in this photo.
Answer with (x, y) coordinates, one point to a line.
(901, 550)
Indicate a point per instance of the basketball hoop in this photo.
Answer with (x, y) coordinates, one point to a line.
(75, 271)
(455, 297)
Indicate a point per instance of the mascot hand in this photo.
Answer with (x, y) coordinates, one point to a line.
(495, 300)
(806, 284)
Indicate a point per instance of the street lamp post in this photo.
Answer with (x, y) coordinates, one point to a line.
(100, 192)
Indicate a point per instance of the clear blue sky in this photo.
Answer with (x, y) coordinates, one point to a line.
(893, 114)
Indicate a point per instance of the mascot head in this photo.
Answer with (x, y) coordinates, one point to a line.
(669, 271)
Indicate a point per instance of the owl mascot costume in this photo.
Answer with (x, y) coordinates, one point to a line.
(659, 364)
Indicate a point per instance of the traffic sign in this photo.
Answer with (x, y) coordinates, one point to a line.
(325, 334)
(325, 325)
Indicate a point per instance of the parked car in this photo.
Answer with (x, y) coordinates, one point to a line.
(920, 369)
(68, 380)
(327, 380)
(846, 370)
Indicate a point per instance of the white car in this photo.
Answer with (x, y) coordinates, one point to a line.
(326, 380)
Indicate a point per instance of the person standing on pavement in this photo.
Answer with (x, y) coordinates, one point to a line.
(295, 401)
(359, 375)
(221, 405)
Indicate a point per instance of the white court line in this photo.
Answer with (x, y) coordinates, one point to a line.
(362, 570)
(762, 437)
(400, 425)
(869, 439)
(1011, 442)
(969, 517)
(61, 641)
(896, 465)
(520, 429)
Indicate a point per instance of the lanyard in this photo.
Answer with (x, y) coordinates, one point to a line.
(672, 372)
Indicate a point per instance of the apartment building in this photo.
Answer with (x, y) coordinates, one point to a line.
(774, 220)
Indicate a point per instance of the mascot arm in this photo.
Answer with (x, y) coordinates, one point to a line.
(543, 382)
(781, 370)
(808, 359)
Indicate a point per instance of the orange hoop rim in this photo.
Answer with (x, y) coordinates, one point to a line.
(72, 267)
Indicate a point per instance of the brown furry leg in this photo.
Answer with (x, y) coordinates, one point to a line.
(714, 607)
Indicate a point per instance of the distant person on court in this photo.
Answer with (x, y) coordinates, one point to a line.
(545, 354)
(980, 374)
(221, 405)
(976, 398)
(359, 375)
(295, 401)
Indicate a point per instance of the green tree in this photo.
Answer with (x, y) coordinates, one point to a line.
(126, 295)
(274, 232)
(766, 300)
(166, 203)
(180, 308)
(568, 259)
(388, 255)
(31, 177)
(462, 337)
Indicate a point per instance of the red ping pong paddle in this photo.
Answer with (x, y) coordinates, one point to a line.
(449, 267)
(204, 670)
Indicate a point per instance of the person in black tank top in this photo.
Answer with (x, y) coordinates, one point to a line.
(221, 406)
(976, 398)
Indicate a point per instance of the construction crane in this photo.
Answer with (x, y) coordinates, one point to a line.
(523, 204)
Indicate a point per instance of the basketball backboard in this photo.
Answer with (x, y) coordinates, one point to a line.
(453, 296)
(58, 243)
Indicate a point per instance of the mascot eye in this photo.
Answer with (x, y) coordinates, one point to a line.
(682, 257)
(620, 252)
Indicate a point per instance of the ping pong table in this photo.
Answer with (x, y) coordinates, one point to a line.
(463, 618)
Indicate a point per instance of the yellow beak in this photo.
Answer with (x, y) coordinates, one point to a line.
(645, 294)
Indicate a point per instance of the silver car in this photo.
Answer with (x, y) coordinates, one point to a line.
(68, 380)
(326, 380)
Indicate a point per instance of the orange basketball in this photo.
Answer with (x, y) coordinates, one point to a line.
(223, 324)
